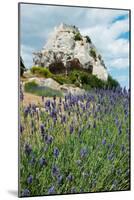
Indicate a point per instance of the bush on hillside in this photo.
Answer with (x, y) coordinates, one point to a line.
(62, 79)
(40, 71)
(22, 67)
(112, 83)
(85, 79)
(76, 77)
(93, 53)
(88, 39)
(91, 81)
(77, 37)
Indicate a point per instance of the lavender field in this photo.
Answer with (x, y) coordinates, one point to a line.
(75, 144)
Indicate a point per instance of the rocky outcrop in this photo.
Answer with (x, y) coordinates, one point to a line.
(68, 89)
(65, 88)
(48, 82)
(66, 48)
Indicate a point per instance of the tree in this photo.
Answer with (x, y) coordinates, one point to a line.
(22, 67)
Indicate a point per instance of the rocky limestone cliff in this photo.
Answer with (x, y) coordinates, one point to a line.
(67, 48)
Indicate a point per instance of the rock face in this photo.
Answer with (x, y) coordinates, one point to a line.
(67, 46)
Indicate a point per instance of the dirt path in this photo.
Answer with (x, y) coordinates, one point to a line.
(31, 98)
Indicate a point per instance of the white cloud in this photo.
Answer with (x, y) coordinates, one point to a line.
(103, 16)
(119, 63)
(118, 48)
(110, 45)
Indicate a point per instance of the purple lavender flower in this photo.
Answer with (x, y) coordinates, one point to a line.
(33, 106)
(60, 179)
(54, 97)
(78, 162)
(114, 185)
(73, 190)
(122, 147)
(127, 172)
(46, 148)
(79, 132)
(94, 125)
(54, 120)
(65, 98)
(119, 130)
(119, 171)
(49, 139)
(21, 129)
(32, 126)
(60, 100)
(28, 149)
(94, 183)
(85, 175)
(42, 162)
(51, 190)
(63, 119)
(109, 146)
(81, 190)
(56, 152)
(30, 179)
(25, 193)
(47, 104)
(83, 152)
(21, 96)
(71, 129)
(104, 141)
(116, 121)
(70, 177)
(32, 161)
(26, 111)
(110, 157)
(55, 171)
(42, 129)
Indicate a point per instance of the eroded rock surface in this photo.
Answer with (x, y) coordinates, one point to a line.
(66, 45)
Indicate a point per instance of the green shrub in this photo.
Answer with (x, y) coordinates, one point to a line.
(77, 37)
(73, 76)
(61, 79)
(22, 67)
(87, 80)
(34, 88)
(112, 83)
(40, 71)
(99, 56)
(30, 85)
(86, 87)
(93, 53)
(88, 39)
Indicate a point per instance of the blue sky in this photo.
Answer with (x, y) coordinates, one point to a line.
(108, 29)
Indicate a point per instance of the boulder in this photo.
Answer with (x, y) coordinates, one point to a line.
(67, 89)
(48, 82)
